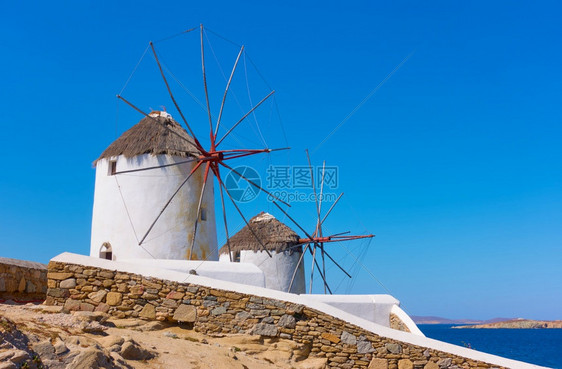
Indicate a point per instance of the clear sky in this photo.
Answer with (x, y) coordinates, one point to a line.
(454, 162)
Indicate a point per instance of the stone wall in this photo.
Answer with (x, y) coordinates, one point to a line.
(397, 323)
(22, 280)
(215, 311)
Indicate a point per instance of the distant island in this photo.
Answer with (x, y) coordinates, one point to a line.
(516, 324)
(439, 320)
(511, 323)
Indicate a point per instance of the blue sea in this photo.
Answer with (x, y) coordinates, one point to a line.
(536, 346)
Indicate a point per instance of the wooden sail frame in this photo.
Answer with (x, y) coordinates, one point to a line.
(315, 240)
(211, 160)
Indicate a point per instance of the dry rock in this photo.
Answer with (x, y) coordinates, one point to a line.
(102, 307)
(97, 296)
(243, 315)
(81, 341)
(44, 349)
(174, 295)
(148, 312)
(377, 363)
(68, 283)
(19, 356)
(348, 338)
(313, 363)
(90, 316)
(60, 347)
(113, 298)
(59, 276)
(91, 358)
(92, 327)
(444, 363)
(330, 337)
(393, 348)
(287, 321)
(264, 329)
(405, 364)
(185, 313)
(8, 365)
(58, 292)
(110, 341)
(364, 347)
(152, 326)
(131, 350)
(431, 365)
(52, 309)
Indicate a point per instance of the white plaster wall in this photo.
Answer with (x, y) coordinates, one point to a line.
(278, 269)
(297, 299)
(244, 273)
(125, 205)
(374, 308)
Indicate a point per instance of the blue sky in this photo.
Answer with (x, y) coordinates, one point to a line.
(454, 162)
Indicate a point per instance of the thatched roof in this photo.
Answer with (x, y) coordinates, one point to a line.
(157, 134)
(274, 235)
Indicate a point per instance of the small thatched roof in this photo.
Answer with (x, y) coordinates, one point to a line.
(273, 234)
(157, 134)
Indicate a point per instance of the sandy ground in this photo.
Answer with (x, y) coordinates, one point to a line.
(174, 346)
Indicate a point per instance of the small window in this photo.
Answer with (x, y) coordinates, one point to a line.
(203, 215)
(236, 256)
(106, 252)
(112, 168)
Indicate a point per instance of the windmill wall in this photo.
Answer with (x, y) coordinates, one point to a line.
(125, 206)
(211, 306)
(278, 269)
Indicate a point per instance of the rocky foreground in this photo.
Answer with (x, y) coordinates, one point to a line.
(38, 336)
(517, 324)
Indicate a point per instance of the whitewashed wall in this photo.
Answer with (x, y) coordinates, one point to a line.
(278, 269)
(243, 273)
(374, 308)
(125, 205)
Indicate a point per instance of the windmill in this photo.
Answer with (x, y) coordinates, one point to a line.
(315, 241)
(210, 160)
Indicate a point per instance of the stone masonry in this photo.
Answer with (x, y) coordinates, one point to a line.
(214, 311)
(22, 280)
(397, 323)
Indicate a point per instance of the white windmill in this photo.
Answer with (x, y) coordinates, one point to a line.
(154, 185)
(284, 258)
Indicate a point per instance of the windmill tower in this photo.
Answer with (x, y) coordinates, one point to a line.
(279, 262)
(136, 214)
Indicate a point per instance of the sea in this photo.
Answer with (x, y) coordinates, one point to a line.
(535, 346)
